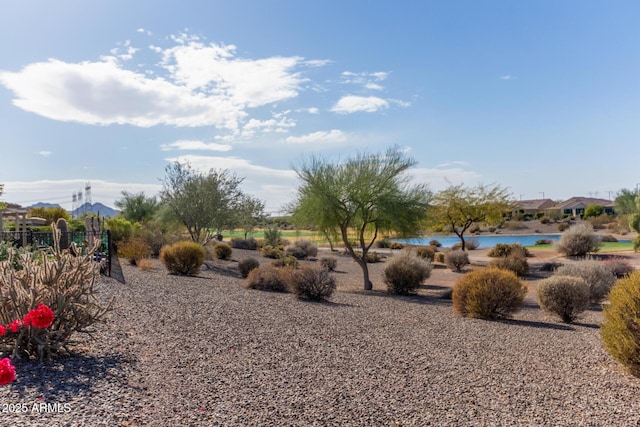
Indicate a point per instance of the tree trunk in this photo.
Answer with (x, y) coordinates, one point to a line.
(368, 285)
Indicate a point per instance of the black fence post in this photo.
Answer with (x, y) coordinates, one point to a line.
(109, 250)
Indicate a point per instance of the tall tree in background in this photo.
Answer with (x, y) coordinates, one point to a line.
(627, 202)
(360, 197)
(51, 214)
(249, 213)
(137, 207)
(204, 202)
(458, 207)
(2, 205)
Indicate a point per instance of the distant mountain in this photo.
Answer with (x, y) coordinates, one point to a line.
(97, 208)
(45, 205)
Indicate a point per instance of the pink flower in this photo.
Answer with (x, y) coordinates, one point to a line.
(15, 325)
(41, 317)
(7, 371)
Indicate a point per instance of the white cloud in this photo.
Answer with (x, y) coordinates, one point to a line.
(331, 136)
(352, 104)
(313, 110)
(195, 145)
(367, 80)
(280, 124)
(45, 153)
(506, 77)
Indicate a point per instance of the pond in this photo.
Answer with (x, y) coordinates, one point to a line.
(484, 241)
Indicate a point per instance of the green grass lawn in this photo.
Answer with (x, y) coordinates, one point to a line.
(605, 248)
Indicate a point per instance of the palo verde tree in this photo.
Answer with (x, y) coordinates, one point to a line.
(360, 197)
(203, 202)
(249, 213)
(627, 201)
(458, 207)
(137, 207)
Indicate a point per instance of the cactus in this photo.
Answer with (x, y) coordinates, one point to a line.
(62, 227)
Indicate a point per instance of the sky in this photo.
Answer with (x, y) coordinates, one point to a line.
(541, 97)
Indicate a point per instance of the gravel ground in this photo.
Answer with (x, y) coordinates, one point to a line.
(203, 351)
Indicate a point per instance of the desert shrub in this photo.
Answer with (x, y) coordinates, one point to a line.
(550, 266)
(268, 278)
(456, 260)
(514, 225)
(472, 244)
(514, 262)
(563, 226)
(636, 244)
(456, 246)
(285, 261)
(579, 240)
(59, 280)
(246, 265)
(222, 251)
(134, 249)
(505, 249)
(373, 257)
(491, 229)
(405, 272)
(544, 242)
(608, 238)
(247, 244)
(594, 273)
(272, 236)
(545, 220)
(384, 243)
(396, 245)
(145, 264)
(435, 243)
(312, 283)
(439, 257)
(269, 251)
(621, 328)
(619, 267)
(120, 229)
(488, 294)
(566, 296)
(183, 258)
(329, 263)
(593, 211)
(426, 252)
(302, 248)
(8, 252)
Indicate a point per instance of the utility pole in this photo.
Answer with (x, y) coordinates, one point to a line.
(542, 192)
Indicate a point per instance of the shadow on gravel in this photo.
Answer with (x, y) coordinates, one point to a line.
(415, 299)
(534, 324)
(230, 272)
(65, 377)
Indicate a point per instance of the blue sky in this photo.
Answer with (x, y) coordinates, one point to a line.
(537, 96)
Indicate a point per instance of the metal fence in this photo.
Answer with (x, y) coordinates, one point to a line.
(44, 240)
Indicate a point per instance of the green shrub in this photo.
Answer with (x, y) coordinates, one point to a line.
(120, 229)
(384, 243)
(329, 263)
(183, 258)
(566, 296)
(272, 236)
(312, 283)
(621, 328)
(269, 278)
(488, 294)
(439, 257)
(619, 267)
(597, 276)
(269, 251)
(222, 251)
(134, 249)
(636, 244)
(579, 240)
(514, 262)
(286, 261)
(405, 272)
(246, 265)
(302, 249)
(456, 260)
(247, 244)
(544, 242)
(426, 252)
(593, 211)
(505, 249)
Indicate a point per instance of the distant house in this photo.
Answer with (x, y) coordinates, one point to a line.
(576, 206)
(532, 207)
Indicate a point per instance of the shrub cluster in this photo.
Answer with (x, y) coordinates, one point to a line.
(246, 265)
(302, 249)
(426, 252)
(597, 276)
(456, 260)
(134, 249)
(621, 328)
(488, 294)
(566, 296)
(247, 244)
(329, 263)
(619, 267)
(579, 240)
(312, 283)
(505, 249)
(269, 251)
(514, 262)
(405, 272)
(222, 251)
(268, 278)
(183, 258)
(285, 261)
(272, 236)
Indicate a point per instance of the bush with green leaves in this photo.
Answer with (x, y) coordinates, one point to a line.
(285, 261)
(488, 294)
(595, 273)
(183, 258)
(621, 328)
(456, 260)
(514, 262)
(384, 243)
(426, 252)
(405, 272)
(269, 251)
(315, 284)
(439, 257)
(302, 249)
(272, 236)
(506, 249)
(566, 296)
(329, 263)
(63, 282)
(246, 265)
(222, 251)
(269, 278)
(134, 249)
(250, 244)
(578, 240)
